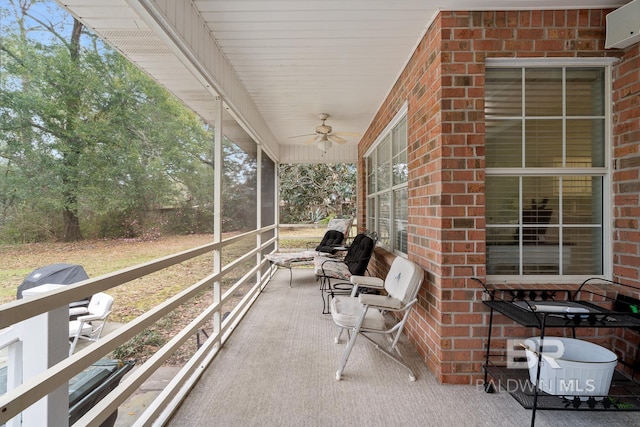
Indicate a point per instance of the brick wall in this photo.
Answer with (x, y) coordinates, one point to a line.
(626, 153)
(443, 84)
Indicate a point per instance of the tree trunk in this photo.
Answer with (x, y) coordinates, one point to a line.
(71, 156)
(71, 226)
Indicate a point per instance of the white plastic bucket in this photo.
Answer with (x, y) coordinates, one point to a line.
(571, 367)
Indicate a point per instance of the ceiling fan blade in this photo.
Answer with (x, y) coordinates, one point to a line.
(336, 139)
(312, 140)
(300, 136)
(348, 134)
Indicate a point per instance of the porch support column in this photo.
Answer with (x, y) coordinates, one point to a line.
(217, 213)
(259, 210)
(45, 343)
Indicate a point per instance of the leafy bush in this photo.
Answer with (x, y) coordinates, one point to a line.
(26, 225)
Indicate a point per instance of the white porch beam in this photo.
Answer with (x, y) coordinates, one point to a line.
(179, 25)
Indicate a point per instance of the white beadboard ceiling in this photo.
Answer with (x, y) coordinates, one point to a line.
(278, 64)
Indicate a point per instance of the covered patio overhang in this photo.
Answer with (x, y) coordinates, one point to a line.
(278, 65)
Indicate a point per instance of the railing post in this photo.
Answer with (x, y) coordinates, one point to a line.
(45, 342)
(11, 340)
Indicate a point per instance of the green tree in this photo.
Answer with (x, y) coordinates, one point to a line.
(313, 192)
(85, 133)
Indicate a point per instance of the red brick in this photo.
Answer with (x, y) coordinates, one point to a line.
(446, 185)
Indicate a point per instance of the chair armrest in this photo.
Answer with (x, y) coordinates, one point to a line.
(77, 311)
(83, 303)
(90, 317)
(368, 282)
(380, 301)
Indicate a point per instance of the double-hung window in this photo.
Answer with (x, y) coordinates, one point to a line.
(387, 172)
(547, 173)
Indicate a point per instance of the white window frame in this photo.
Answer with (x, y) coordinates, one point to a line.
(372, 199)
(606, 171)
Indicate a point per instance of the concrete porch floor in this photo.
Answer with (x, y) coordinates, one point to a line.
(278, 368)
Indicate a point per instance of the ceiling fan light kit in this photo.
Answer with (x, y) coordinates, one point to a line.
(324, 144)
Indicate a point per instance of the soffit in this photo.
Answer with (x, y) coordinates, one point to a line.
(294, 58)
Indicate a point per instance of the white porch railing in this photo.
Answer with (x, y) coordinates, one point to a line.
(23, 394)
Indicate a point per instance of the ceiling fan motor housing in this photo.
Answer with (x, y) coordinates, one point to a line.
(323, 129)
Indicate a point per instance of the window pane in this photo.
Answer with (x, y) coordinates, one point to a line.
(401, 213)
(543, 92)
(584, 143)
(371, 180)
(384, 164)
(384, 218)
(399, 136)
(542, 259)
(502, 252)
(503, 200)
(503, 89)
(585, 92)
(539, 209)
(583, 251)
(581, 197)
(371, 213)
(543, 144)
(503, 141)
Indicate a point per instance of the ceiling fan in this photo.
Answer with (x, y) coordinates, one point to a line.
(324, 136)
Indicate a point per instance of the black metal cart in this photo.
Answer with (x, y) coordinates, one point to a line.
(592, 306)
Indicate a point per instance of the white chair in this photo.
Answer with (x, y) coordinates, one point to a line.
(364, 313)
(90, 325)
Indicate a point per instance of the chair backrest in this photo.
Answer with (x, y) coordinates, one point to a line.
(100, 304)
(359, 253)
(342, 225)
(331, 239)
(403, 280)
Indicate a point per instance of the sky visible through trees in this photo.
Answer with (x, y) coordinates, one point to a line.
(91, 147)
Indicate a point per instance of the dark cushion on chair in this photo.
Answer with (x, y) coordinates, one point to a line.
(331, 239)
(359, 253)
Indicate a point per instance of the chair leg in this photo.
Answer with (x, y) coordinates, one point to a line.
(393, 352)
(327, 294)
(99, 330)
(352, 341)
(337, 338)
(73, 345)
